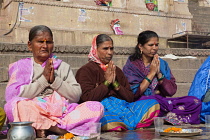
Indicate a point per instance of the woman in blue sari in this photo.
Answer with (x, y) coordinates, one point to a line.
(102, 81)
(200, 88)
(151, 77)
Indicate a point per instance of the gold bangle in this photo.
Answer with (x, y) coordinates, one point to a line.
(106, 83)
(116, 84)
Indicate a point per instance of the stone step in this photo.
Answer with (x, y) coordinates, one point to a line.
(184, 75)
(195, 9)
(197, 15)
(3, 74)
(2, 91)
(180, 64)
(192, 5)
(204, 28)
(183, 69)
(185, 63)
(201, 27)
(5, 60)
(203, 11)
(200, 23)
(204, 23)
(182, 89)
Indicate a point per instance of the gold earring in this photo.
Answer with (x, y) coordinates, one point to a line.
(141, 52)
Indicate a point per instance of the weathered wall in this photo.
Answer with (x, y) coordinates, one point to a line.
(63, 19)
(200, 10)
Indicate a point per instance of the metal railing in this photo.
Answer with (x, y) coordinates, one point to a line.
(187, 34)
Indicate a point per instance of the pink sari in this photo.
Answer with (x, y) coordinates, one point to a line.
(49, 111)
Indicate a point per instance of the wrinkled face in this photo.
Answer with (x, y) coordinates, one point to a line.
(105, 52)
(150, 48)
(41, 46)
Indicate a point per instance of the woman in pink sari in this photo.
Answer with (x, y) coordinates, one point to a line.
(43, 90)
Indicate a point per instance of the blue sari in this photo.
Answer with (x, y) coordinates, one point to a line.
(200, 85)
(120, 115)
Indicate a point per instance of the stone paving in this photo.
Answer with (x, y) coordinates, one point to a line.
(149, 134)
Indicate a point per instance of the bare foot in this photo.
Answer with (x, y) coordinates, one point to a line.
(58, 130)
(40, 134)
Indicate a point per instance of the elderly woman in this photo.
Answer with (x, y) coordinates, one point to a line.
(42, 89)
(102, 81)
(150, 77)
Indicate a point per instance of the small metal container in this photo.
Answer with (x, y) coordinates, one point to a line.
(21, 131)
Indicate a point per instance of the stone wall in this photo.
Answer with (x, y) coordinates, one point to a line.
(64, 18)
(200, 10)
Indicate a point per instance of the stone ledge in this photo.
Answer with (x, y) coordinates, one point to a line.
(184, 75)
(7, 47)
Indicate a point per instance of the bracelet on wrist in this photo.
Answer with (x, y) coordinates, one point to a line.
(161, 78)
(115, 84)
(106, 83)
(150, 81)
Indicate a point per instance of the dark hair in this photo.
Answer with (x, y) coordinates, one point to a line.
(102, 38)
(143, 38)
(34, 30)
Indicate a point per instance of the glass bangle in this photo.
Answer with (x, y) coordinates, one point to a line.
(116, 84)
(161, 78)
(150, 81)
(106, 83)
